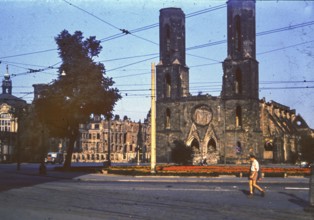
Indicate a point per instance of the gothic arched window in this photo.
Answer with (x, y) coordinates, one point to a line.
(168, 117)
(168, 38)
(238, 82)
(237, 33)
(168, 86)
(238, 116)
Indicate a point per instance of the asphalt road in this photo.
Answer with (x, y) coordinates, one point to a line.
(26, 195)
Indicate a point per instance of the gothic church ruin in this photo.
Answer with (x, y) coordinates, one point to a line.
(225, 128)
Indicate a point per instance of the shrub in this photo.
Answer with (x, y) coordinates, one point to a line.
(181, 154)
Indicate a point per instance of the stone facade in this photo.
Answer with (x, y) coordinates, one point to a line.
(10, 107)
(123, 137)
(227, 128)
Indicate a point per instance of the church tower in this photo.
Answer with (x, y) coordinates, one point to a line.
(172, 80)
(240, 79)
(7, 83)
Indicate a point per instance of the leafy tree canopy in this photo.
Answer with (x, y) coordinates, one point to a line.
(83, 89)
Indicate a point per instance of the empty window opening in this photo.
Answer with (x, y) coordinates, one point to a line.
(237, 33)
(167, 38)
(238, 82)
(168, 86)
(211, 146)
(238, 116)
(168, 117)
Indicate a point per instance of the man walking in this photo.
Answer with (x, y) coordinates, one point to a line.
(253, 176)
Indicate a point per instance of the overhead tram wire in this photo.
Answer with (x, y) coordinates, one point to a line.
(31, 53)
(157, 24)
(201, 46)
(290, 27)
(214, 85)
(287, 28)
(130, 64)
(213, 88)
(219, 62)
(283, 48)
(21, 64)
(131, 57)
(91, 14)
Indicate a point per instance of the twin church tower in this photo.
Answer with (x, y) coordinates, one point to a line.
(223, 128)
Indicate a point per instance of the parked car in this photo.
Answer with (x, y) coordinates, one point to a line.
(54, 157)
(304, 164)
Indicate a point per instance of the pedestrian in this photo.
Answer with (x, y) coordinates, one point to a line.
(253, 176)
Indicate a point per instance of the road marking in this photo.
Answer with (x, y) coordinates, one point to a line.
(297, 188)
(182, 189)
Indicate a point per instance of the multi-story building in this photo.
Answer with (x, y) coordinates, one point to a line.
(10, 112)
(128, 141)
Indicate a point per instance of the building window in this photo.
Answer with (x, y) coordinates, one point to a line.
(238, 148)
(167, 38)
(238, 82)
(168, 86)
(211, 146)
(5, 125)
(268, 146)
(238, 116)
(237, 33)
(168, 117)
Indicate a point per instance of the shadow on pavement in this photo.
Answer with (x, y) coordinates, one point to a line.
(28, 175)
(296, 200)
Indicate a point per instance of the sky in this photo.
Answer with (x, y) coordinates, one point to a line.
(285, 46)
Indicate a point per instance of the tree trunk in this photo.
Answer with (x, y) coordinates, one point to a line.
(68, 158)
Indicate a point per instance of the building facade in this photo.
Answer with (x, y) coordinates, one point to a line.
(223, 129)
(129, 141)
(10, 108)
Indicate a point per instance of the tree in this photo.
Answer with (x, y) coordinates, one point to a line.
(81, 90)
(181, 154)
(307, 148)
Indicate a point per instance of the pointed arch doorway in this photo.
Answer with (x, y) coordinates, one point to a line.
(196, 151)
(212, 155)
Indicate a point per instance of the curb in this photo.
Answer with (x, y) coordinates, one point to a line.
(176, 179)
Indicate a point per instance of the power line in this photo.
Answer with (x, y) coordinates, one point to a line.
(136, 74)
(282, 48)
(131, 57)
(130, 64)
(290, 27)
(157, 24)
(287, 28)
(91, 14)
(24, 54)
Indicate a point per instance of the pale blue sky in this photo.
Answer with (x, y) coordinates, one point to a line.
(286, 58)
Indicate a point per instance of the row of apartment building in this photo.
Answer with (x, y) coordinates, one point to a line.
(123, 139)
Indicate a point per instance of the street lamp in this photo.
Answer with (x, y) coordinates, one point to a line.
(138, 155)
(109, 150)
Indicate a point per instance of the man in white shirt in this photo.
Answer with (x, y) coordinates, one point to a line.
(253, 176)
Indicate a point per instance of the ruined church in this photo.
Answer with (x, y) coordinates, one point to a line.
(229, 127)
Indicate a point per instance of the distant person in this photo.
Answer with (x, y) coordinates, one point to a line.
(253, 176)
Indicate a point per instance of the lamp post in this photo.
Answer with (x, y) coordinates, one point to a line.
(16, 114)
(153, 122)
(138, 155)
(109, 147)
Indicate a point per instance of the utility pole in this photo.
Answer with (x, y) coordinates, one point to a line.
(153, 123)
(109, 133)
